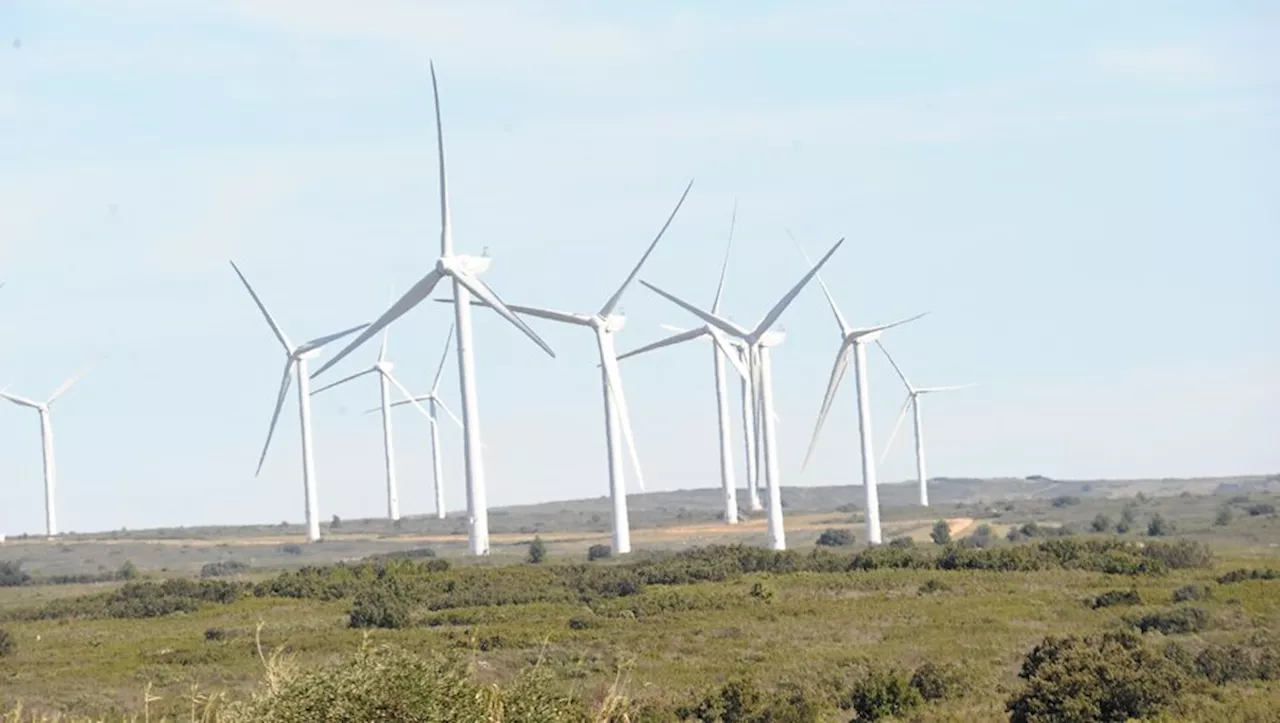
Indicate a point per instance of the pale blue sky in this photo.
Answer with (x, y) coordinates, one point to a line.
(1083, 194)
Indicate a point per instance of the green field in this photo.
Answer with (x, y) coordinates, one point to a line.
(664, 629)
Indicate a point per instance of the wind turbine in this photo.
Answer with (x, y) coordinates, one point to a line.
(721, 352)
(758, 341)
(606, 323)
(464, 272)
(434, 404)
(46, 437)
(296, 363)
(913, 400)
(855, 341)
(382, 368)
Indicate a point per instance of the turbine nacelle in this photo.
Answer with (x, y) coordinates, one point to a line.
(612, 323)
(772, 338)
(307, 352)
(473, 265)
(384, 367)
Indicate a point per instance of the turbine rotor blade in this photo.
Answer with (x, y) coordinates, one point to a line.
(285, 382)
(435, 383)
(448, 411)
(548, 314)
(782, 305)
(729, 353)
(487, 295)
(612, 303)
(888, 445)
(669, 327)
(344, 380)
(844, 326)
(614, 389)
(20, 401)
(724, 267)
(727, 326)
(408, 396)
(319, 342)
(837, 373)
(928, 390)
(668, 341)
(68, 383)
(890, 325)
(412, 298)
(275, 328)
(897, 369)
(446, 223)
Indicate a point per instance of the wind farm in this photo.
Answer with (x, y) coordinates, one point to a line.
(578, 438)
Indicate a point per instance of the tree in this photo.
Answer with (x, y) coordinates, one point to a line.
(1101, 523)
(941, 533)
(127, 571)
(1159, 526)
(336, 524)
(1129, 513)
(537, 551)
(1225, 516)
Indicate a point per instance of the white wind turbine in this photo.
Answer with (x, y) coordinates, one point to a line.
(464, 272)
(296, 363)
(913, 400)
(434, 404)
(758, 341)
(46, 437)
(721, 351)
(382, 368)
(606, 323)
(855, 341)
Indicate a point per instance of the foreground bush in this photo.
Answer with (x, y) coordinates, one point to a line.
(1095, 679)
(1112, 598)
(7, 643)
(379, 607)
(12, 575)
(1178, 621)
(742, 701)
(882, 694)
(937, 681)
(835, 538)
(599, 552)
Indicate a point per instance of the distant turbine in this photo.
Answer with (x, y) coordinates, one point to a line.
(434, 404)
(913, 400)
(46, 437)
(382, 368)
(855, 340)
(464, 271)
(606, 323)
(720, 351)
(296, 362)
(758, 341)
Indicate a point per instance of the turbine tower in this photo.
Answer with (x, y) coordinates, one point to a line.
(296, 359)
(382, 368)
(606, 323)
(855, 341)
(721, 351)
(464, 272)
(434, 404)
(913, 400)
(46, 437)
(758, 341)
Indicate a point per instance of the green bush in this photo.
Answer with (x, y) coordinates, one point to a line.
(1065, 501)
(1246, 574)
(1192, 593)
(1176, 621)
(929, 587)
(1222, 664)
(1112, 598)
(936, 681)
(836, 538)
(379, 607)
(224, 568)
(7, 643)
(941, 533)
(537, 551)
(742, 701)
(12, 575)
(1129, 513)
(902, 543)
(1096, 679)
(983, 536)
(880, 694)
(1224, 516)
(1261, 508)
(599, 552)
(1159, 526)
(1101, 523)
(291, 549)
(127, 571)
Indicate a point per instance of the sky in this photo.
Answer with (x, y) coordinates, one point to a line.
(1082, 195)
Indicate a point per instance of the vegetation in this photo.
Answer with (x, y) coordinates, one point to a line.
(1159, 526)
(537, 551)
(835, 538)
(599, 552)
(7, 643)
(941, 532)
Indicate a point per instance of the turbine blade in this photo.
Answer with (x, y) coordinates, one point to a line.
(323, 340)
(487, 295)
(844, 326)
(782, 305)
(21, 401)
(70, 382)
(928, 390)
(382, 349)
(401, 403)
(888, 445)
(837, 373)
(728, 326)
(408, 397)
(669, 327)
(549, 314)
(285, 381)
(446, 223)
(891, 324)
(901, 376)
(614, 376)
(416, 294)
(724, 267)
(722, 345)
(612, 303)
(284, 340)
(344, 380)
(668, 341)
(435, 383)
(449, 412)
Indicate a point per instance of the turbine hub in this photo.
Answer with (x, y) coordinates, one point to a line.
(473, 265)
(384, 366)
(613, 322)
(305, 353)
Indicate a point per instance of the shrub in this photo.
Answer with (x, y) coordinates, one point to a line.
(1223, 664)
(1129, 513)
(983, 536)
(1192, 593)
(214, 635)
(1123, 527)
(941, 533)
(12, 575)
(902, 543)
(336, 523)
(1065, 501)
(291, 549)
(742, 701)
(1101, 523)
(1181, 554)
(379, 607)
(1261, 508)
(583, 623)
(127, 571)
(1159, 526)
(7, 643)
(931, 586)
(223, 568)
(537, 551)
(1224, 517)
(762, 592)
(1111, 598)
(1246, 574)
(1178, 621)
(1112, 677)
(882, 693)
(937, 681)
(599, 552)
(836, 538)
